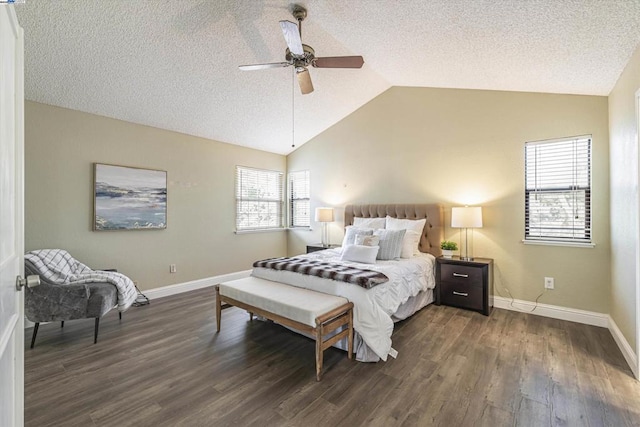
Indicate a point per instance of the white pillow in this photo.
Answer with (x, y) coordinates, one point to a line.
(374, 223)
(416, 225)
(366, 240)
(350, 234)
(410, 244)
(360, 253)
(390, 243)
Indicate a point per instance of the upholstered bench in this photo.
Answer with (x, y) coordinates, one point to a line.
(308, 311)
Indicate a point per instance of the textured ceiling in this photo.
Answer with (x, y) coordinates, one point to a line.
(174, 64)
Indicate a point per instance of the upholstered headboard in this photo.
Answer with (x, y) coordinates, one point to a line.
(433, 232)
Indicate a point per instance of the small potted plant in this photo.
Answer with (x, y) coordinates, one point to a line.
(448, 247)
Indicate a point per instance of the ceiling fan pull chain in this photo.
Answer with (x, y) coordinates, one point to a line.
(293, 110)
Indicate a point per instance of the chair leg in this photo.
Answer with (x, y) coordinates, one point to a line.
(120, 315)
(218, 309)
(62, 324)
(95, 334)
(35, 332)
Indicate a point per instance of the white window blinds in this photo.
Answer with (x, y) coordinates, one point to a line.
(299, 199)
(259, 199)
(558, 190)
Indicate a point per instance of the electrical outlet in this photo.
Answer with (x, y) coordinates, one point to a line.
(549, 283)
(172, 268)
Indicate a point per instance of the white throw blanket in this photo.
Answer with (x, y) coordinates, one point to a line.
(59, 267)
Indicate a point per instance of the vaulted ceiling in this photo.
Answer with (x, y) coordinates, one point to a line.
(174, 64)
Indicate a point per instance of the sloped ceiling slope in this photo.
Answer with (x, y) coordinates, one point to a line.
(174, 64)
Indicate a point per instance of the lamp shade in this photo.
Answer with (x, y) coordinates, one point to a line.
(324, 214)
(466, 217)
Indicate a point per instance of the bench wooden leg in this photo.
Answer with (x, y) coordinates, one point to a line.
(319, 352)
(218, 308)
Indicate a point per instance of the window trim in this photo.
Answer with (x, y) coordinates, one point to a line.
(587, 242)
(290, 200)
(280, 203)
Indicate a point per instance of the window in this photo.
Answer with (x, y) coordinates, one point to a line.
(299, 199)
(259, 199)
(558, 190)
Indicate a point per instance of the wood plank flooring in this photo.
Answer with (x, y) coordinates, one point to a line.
(164, 365)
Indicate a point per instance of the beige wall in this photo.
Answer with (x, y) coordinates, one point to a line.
(623, 129)
(421, 145)
(60, 147)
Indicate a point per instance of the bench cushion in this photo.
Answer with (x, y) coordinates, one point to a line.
(301, 305)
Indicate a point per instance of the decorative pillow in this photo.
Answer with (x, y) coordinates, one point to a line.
(366, 240)
(410, 244)
(416, 225)
(351, 232)
(390, 243)
(360, 253)
(375, 223)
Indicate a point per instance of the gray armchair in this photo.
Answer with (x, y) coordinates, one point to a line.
(50, 302)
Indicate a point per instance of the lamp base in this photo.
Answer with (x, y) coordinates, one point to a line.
(325, 235)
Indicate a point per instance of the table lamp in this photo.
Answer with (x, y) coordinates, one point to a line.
(466, 217)
(325, 216)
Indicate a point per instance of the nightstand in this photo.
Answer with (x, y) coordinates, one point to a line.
(318, 247)
(465, 284)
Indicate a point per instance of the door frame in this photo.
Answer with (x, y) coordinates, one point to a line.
(12, 341)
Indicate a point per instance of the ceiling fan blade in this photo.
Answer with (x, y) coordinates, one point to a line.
(292, 36)
(263, 66)
(304, 80)
(339, 62)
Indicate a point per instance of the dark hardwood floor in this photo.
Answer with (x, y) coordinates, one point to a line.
(164, 365)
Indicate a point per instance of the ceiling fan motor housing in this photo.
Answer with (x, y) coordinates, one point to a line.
(301, 60)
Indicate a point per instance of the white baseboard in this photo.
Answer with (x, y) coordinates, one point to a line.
(574, 315)
(554, 311)
(179, 288)
(628, 353)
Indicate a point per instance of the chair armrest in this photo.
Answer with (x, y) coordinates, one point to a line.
(49, 302)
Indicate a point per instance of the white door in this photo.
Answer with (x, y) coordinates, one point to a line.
(11, 219)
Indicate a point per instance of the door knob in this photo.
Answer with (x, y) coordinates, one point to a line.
(30, 282)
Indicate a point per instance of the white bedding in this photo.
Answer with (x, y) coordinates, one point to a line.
(373, 308)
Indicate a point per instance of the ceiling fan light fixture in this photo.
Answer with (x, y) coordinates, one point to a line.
(304, 80)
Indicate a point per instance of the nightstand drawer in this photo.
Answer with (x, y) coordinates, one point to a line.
(461, 274)
(464, 295)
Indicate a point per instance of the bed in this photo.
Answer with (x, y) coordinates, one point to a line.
(410, 286)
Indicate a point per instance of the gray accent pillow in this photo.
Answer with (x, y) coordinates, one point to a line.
(390, 243)
(352, 231)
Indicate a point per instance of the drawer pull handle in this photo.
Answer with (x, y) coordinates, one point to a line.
(460, 275)
(462, 294)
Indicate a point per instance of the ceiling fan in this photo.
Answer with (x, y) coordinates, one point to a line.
(301, 55)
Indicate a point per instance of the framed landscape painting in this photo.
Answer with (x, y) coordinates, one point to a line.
(128, 198)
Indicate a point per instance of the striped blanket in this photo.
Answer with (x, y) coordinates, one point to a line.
(311, 267)
(59, 267)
